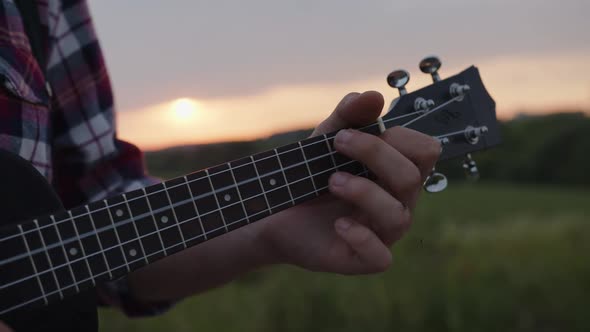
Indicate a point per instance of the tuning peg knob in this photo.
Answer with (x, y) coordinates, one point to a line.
(435, 182)
(470, 168)
(398, 79)
(431, 65)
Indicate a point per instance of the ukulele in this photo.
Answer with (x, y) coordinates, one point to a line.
(51, 258)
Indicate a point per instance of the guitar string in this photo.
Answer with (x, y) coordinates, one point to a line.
(184, 183)
(79, 282)
(225, 225)
(120, 245)
(458, 132)
(329, 135)
(169, 207)
(166, 208)
(438, 107)
(195, 198)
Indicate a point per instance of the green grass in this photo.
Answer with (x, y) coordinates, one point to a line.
(478, 258)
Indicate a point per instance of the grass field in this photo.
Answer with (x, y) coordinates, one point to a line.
(487, 257)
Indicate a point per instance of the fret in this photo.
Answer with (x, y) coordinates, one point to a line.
(117, 237)
(315, 188)
(273, 181)
(33, 265)
(147, 226)
(132, 251)
(202, 229)
(228, 197)
(247, 219)
(67, 233)
(84, 257)
(10, 247)
(329, 142)
(206, 204)
(91, 245)
(208, 176)
(319, 161)
(73, 282)
(184, 211)
(172, 209)
(284, 176)
(16, 273)
(125, 232)
(164, 216)
(100, 214)
(315, 147)
(40, 260)
(53, 283)
(57, 256)
(296, 173)
(250, 189)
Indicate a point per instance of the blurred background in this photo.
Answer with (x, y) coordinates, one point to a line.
(202, 82)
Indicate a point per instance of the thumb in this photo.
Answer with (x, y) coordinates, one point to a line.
(355, 110)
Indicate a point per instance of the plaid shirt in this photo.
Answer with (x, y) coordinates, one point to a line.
(63, 121)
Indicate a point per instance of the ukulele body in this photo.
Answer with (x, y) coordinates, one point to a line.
(25, 194)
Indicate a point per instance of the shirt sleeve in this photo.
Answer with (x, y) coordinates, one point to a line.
(89, 161)
(122, 172)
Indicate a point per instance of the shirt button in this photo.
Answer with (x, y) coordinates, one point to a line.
(48, 88)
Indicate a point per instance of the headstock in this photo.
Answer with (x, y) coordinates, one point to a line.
(457, 110)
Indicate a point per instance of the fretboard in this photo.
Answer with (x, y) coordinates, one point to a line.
(70, 251)
(49, 258)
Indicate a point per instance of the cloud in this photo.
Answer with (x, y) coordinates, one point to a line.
(517, 83)
(207, 49)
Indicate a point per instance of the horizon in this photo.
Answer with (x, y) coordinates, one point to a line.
(292, 75)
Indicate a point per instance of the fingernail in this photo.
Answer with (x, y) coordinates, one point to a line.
(339, 179)
(343, 224)
(343, 136)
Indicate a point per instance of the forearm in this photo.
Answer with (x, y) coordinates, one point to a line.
(205, 266)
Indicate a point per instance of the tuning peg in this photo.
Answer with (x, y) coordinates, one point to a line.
(435, 182)
(398, 79)
(459, 90)
(431, 65)
(470, 168)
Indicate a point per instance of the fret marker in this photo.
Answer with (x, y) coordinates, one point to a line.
(119, 213)
(164, 219)
(272, 182)
(227, 197)
(132, 252)
(73, 251)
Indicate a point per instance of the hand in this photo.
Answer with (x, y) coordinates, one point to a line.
(351, 229)
(346, 231)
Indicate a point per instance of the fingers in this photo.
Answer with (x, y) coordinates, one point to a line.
(399, 174)
(388, 217)
(421, 149)
(370, 254)
(354, 110)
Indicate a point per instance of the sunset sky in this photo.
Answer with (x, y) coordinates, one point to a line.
(202, 71)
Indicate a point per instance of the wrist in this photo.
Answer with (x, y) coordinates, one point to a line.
(261, 251)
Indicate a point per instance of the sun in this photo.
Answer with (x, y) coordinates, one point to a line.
(185, 109)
